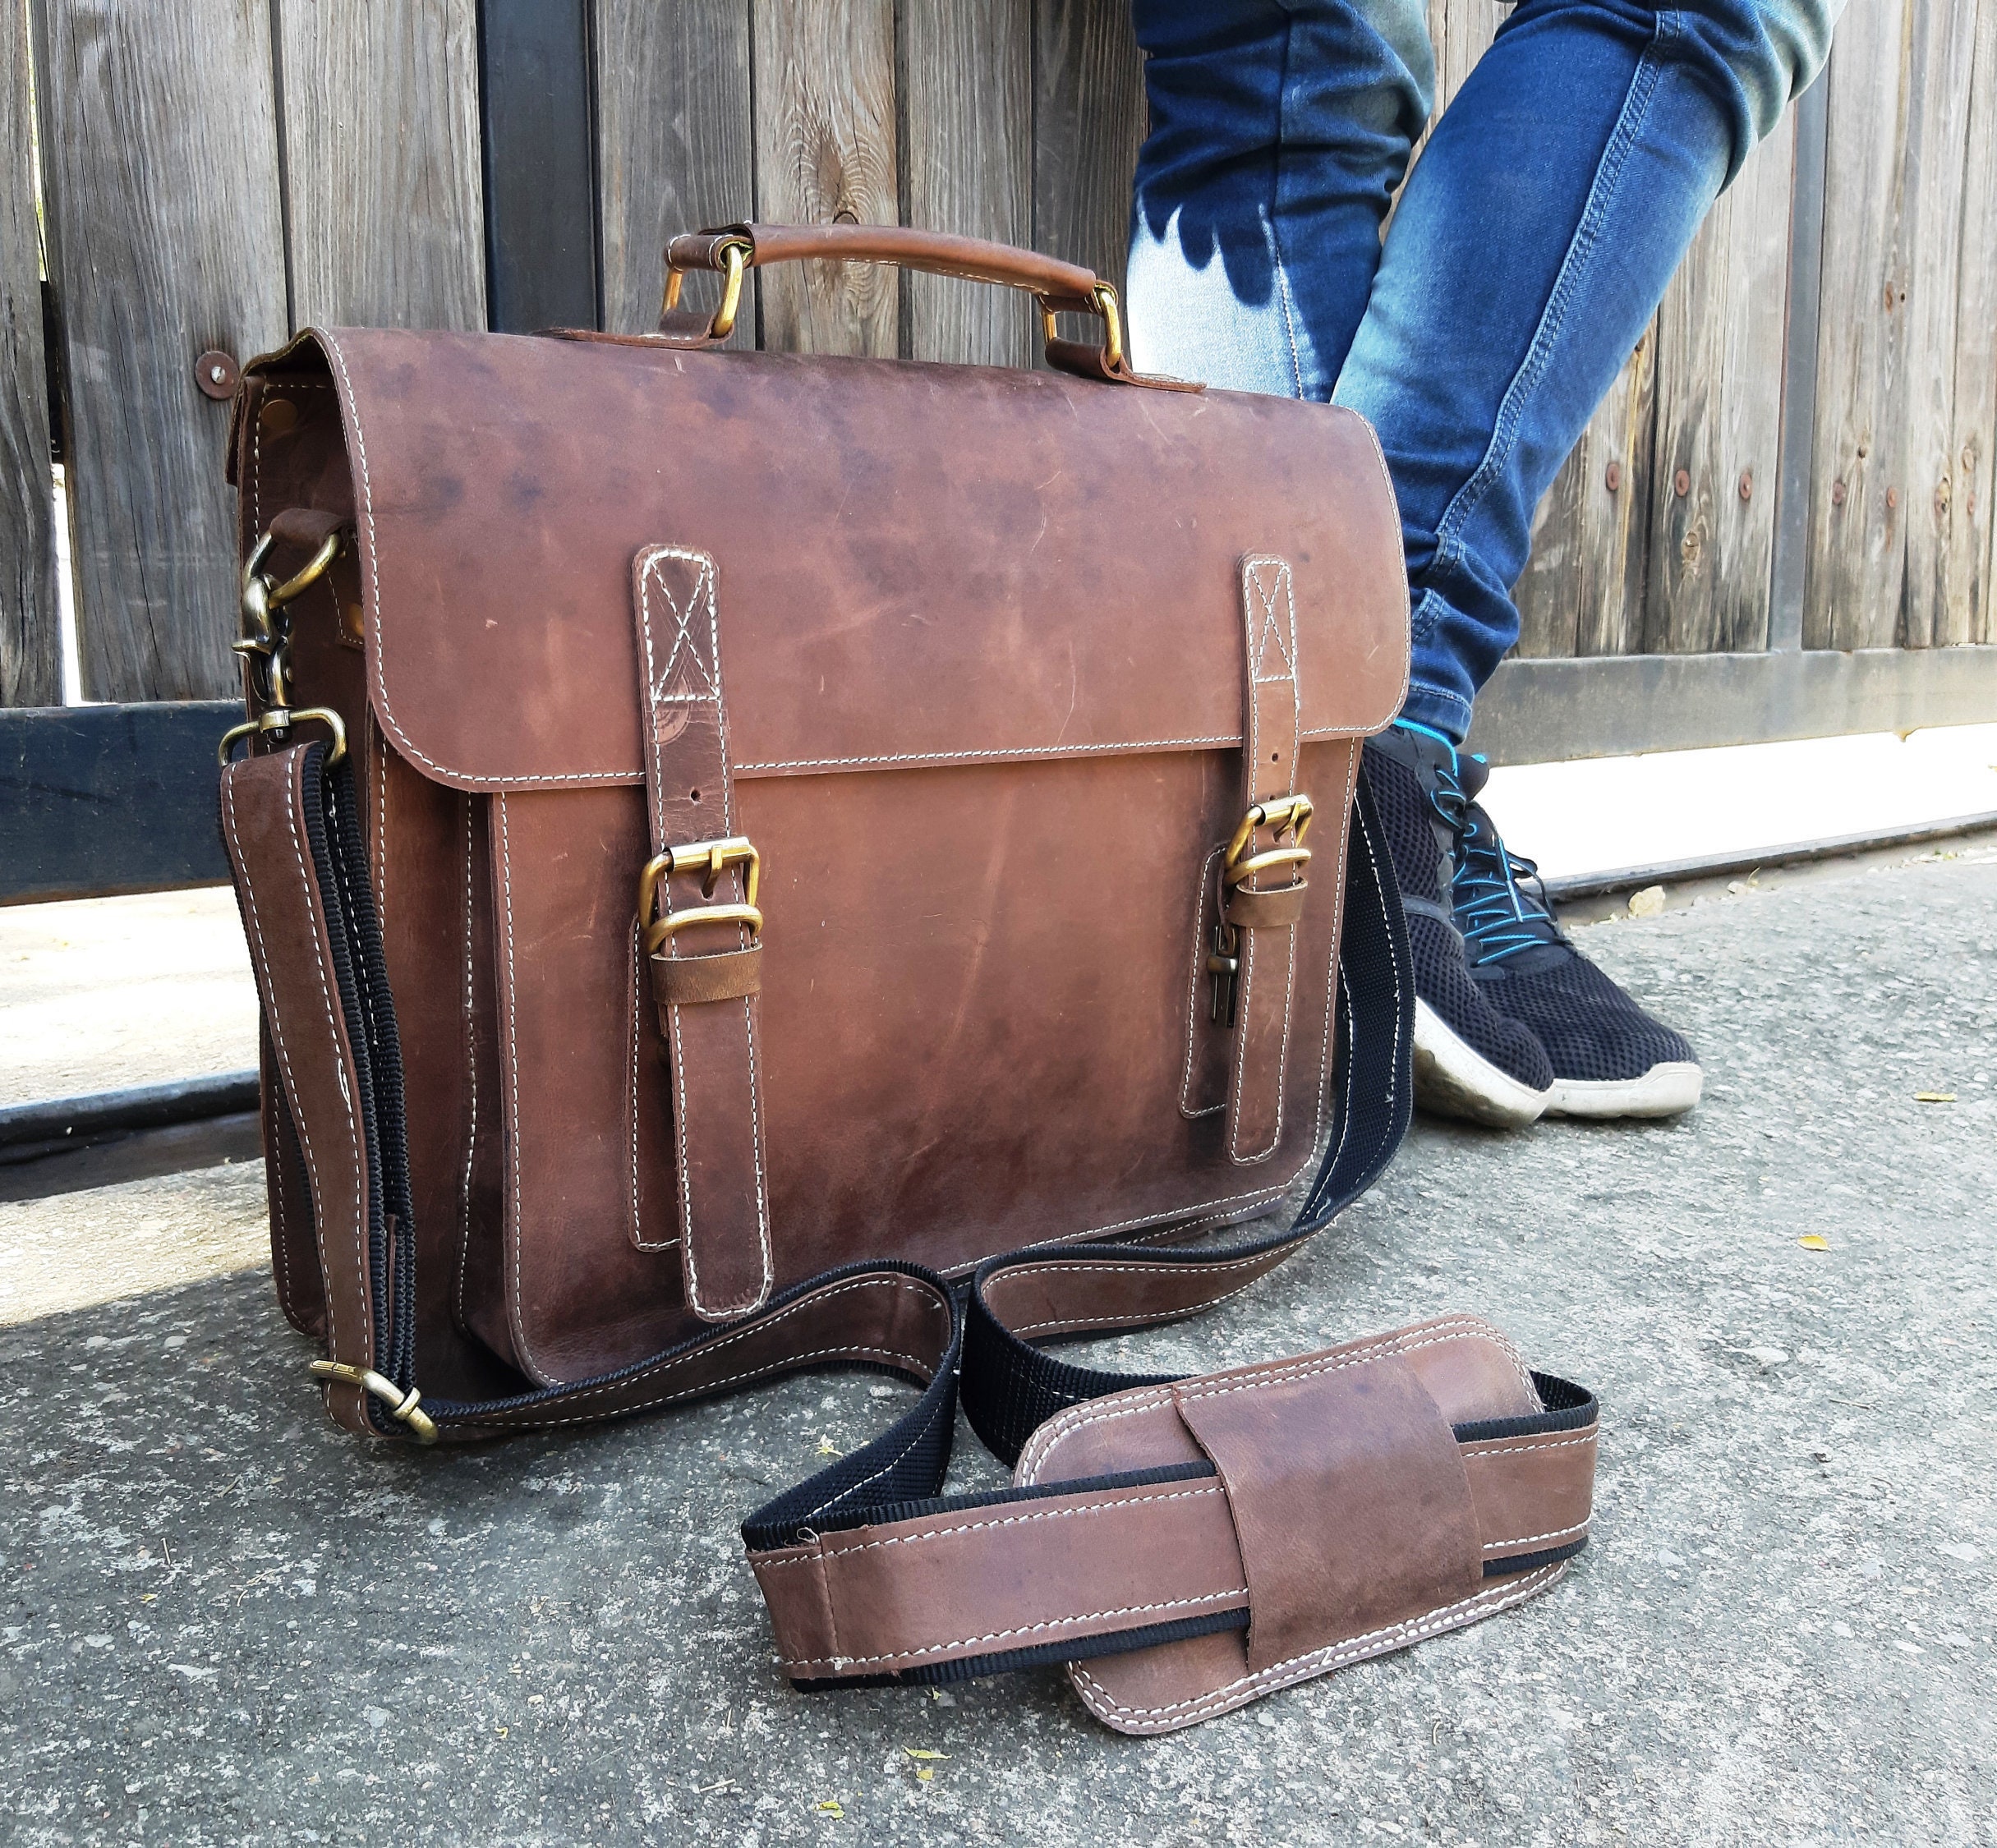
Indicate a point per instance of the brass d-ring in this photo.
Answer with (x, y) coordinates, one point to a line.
(403, 1405)
(282, 719)
(734, 252)
(315, 568)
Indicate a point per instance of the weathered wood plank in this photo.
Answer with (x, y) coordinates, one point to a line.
(383, 199)
(1719, 349)
(1857, 528)
(826, 150)
(1942, 63)
(165, 239)
(1089, 123)
(1952, 383)
(1581, 592)
(968, 142)
(30, 663)
(674, 146)
(1461, 32)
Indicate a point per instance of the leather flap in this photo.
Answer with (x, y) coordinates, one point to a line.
(919, 564)
(1459, 1368)
(1350, 1506)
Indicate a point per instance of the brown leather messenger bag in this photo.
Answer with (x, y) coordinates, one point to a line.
(754, 862)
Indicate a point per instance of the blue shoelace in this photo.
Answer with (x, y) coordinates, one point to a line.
(1499, 917)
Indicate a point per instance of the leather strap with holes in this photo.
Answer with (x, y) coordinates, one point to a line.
(705, 977)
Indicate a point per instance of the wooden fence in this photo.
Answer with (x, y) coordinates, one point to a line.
(1796, 463)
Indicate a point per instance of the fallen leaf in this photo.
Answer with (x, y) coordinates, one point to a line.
(831, 1807)
(924, 1775)
(826, 1447)
(1934, 1097)
(916, 1752)
(1814, 1241)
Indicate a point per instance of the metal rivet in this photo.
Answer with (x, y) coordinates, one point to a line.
(1683, 481)
(1747, 484)
(277, 416)
(1836, 493)
(216, 373)
(1612, 476)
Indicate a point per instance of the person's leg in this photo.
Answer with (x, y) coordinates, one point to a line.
(1531, 247)
(1278, 134)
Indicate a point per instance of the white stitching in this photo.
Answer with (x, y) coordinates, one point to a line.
(1108, 1506)
(620, 774)
(277, 1036)
(1299, 1668)
(1253, 593)
(471, 1018)
(295, 778)
(711, 669)
(631, 1102)
(1077, 1418)
(708, 1388)
(1192, 996)
(1588, 1436)
(906, 1286)
(1527, 1539)
(1208, 1599)
(293, 775)
(381, 837)
(510, 1068)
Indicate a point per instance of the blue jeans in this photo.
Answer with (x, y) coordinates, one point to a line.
(1528, 250)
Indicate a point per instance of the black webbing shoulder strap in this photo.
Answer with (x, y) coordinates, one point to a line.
(986, 1341)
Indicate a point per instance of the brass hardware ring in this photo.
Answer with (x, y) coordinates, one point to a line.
(657, 932)
(282, 719)
(1103, 298)
(314, 569)
(1275, 856)
(404, 1405)
(734, 252)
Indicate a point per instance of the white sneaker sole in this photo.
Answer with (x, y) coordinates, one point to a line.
(1664, 1091)
(1454, 1079)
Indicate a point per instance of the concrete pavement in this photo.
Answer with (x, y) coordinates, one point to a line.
(226, 1623)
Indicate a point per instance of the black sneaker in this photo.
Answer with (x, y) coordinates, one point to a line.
(1609, 1057)
(1469, 1060)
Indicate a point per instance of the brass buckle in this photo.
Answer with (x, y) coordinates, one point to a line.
(734, 252)
(401, 1404)
(1104, 302)
(709, 857)
(1285, 814)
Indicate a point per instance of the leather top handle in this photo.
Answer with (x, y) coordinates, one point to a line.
(732, 250)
